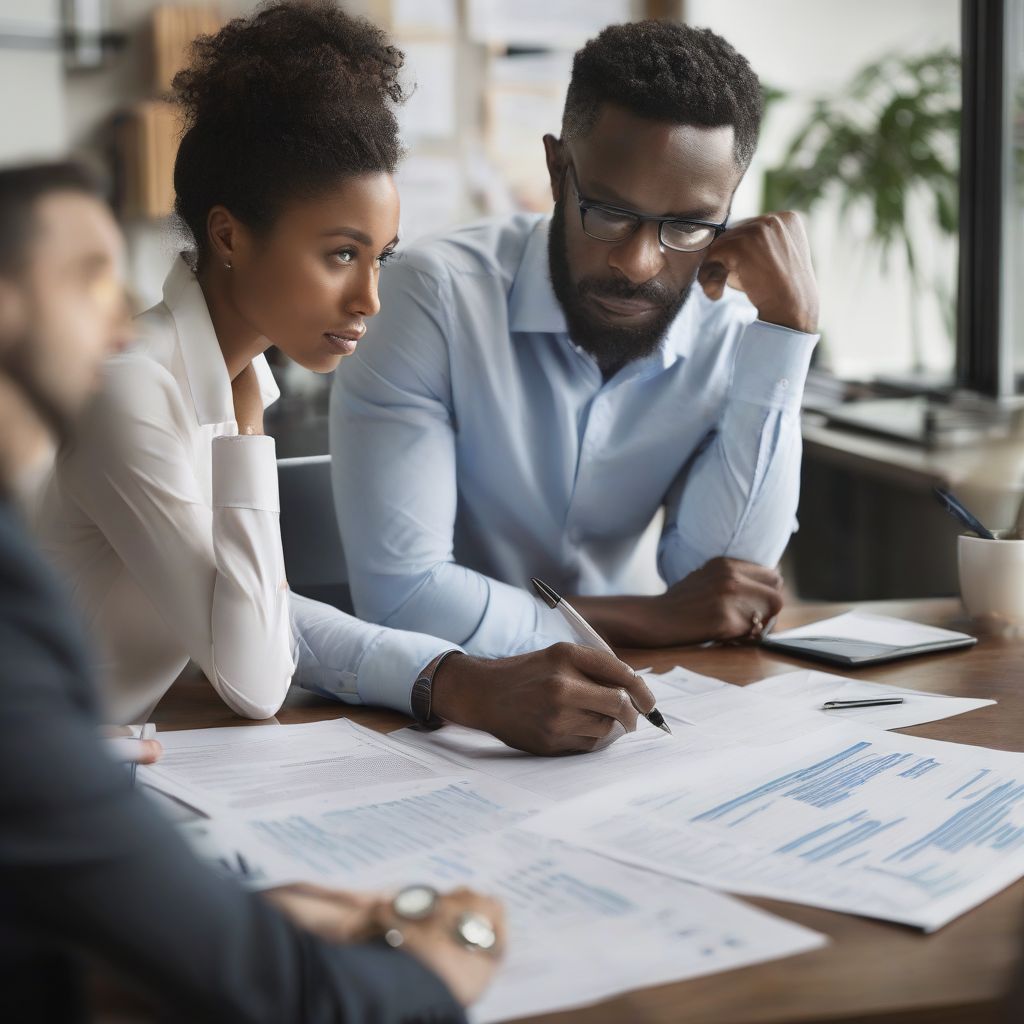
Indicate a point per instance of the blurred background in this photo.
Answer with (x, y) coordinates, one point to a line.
(894, 126)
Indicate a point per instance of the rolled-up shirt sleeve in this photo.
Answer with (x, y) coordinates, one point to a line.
(738, 496)
(216, 576)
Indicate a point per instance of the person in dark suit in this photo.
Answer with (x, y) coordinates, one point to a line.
(87, 866)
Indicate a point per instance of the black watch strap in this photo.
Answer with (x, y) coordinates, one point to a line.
(422, 694)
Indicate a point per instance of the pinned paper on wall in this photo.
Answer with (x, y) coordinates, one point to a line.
(432, 191)
(567, 24)
(525, 100)
(429, 112)
(424, 17)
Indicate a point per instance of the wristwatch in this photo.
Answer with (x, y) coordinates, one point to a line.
(418, 902)
(422, 693)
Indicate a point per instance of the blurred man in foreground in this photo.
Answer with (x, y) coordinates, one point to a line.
(87, 866)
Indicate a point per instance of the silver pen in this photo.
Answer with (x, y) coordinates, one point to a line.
(863, 702)
(587, 636)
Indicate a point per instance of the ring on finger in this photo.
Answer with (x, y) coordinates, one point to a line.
(413, 903)
(476, 931)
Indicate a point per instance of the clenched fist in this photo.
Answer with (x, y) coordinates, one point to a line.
(769, 259)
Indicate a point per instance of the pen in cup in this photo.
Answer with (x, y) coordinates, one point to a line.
(956, 508)
(587, 636)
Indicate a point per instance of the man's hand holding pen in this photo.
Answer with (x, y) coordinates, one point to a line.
(563, 700)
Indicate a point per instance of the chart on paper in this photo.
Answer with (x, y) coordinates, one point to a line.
(888, 826)
(358, 839)
(620, 931)
(579, 927)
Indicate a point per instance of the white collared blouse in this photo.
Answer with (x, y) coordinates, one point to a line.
(166, 523)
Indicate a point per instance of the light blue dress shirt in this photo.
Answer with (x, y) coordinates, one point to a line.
(474, 445)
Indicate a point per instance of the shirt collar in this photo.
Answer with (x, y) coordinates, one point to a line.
(207, 374)
(533, 307)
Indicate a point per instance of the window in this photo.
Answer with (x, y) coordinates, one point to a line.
(873, 91)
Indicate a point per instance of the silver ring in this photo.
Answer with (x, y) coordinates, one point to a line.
(476, 931)
(415, 902)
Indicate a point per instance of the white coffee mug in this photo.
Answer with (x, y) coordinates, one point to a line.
(992, 577)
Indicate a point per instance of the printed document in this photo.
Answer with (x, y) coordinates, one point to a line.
(636, 754)
(706, 716)
(225, 771)
(581, 928)
(862, 821)
(362, 840)
(810, 689)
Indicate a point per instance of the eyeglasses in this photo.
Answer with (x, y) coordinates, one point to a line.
(613, 224)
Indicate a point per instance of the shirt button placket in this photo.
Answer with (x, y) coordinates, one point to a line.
(593, 438)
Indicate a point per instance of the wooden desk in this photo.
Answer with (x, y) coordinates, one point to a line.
(871, 971)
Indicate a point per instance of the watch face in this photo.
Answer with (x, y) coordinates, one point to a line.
(415, 902)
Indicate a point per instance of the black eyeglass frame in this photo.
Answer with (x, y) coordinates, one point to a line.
(638, 219)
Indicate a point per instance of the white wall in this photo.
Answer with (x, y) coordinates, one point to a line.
(812, 47)
(92, 96)
(33, 122)
(806, 47)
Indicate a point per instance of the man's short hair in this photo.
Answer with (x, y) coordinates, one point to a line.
(666, 71)
(21, 188)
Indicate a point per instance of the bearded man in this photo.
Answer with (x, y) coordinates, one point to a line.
(536, 388)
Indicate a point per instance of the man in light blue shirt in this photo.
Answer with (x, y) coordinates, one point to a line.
(536, 389)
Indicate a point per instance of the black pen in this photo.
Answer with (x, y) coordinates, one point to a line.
(960, 513)
(866, 702)
(587, 636)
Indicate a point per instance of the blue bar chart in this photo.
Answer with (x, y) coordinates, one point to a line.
(875, 823)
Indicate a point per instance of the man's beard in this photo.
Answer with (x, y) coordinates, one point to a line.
(22, 370)
(612, 347)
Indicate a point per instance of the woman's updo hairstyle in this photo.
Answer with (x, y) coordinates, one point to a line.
(281, 105)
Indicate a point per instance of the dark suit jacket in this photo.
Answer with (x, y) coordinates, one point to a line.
(86, 864)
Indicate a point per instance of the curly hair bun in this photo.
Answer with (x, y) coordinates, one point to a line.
(286, 102)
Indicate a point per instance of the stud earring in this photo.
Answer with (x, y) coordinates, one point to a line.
(227, 266)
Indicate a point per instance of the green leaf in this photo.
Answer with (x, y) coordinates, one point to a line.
(890, 135)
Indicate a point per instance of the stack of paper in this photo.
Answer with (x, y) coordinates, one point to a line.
(228, 771)
(581, 928)
(757, 791)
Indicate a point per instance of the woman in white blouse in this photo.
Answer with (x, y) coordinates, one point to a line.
(164, 514)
